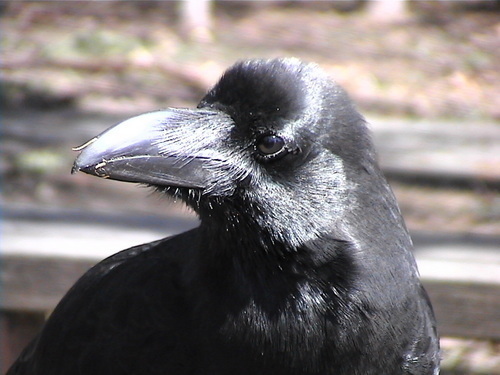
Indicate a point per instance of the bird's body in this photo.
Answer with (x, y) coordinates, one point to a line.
(301, 264)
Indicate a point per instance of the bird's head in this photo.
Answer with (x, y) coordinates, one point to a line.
(275, 142)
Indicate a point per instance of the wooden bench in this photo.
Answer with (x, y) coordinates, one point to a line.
(461, 274)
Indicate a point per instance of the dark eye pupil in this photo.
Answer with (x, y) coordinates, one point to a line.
(270, 144)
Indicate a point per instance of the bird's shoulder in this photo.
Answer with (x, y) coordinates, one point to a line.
(138, 275)
(134, 299)
(131, 270)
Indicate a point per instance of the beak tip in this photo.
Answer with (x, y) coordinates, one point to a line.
(86, 158)
(75, 168)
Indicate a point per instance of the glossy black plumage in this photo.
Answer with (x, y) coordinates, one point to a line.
(301, 264)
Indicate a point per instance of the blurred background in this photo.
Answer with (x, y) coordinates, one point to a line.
(424, 73)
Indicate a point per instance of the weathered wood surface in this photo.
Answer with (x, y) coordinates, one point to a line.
(36, 284)
(17, 329)
(466, 309)
(439, 152)
(455, 151)
(462, 274)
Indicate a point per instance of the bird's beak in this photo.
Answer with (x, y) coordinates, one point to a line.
(174, 147)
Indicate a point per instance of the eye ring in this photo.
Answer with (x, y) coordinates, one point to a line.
(270, 145)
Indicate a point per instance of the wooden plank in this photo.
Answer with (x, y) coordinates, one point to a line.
(466, 309)
(36, 284)
(17, 330)
(443, 152)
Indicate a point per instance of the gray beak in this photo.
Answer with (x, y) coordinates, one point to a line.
(175, 147)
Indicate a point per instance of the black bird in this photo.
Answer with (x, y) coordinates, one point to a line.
(301, 264)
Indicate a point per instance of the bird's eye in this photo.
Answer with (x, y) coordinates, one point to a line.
(270, 144)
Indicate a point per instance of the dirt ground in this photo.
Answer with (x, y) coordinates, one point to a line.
(440, 61)
(123, 58)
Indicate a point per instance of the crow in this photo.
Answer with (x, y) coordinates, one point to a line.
(301, 264)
